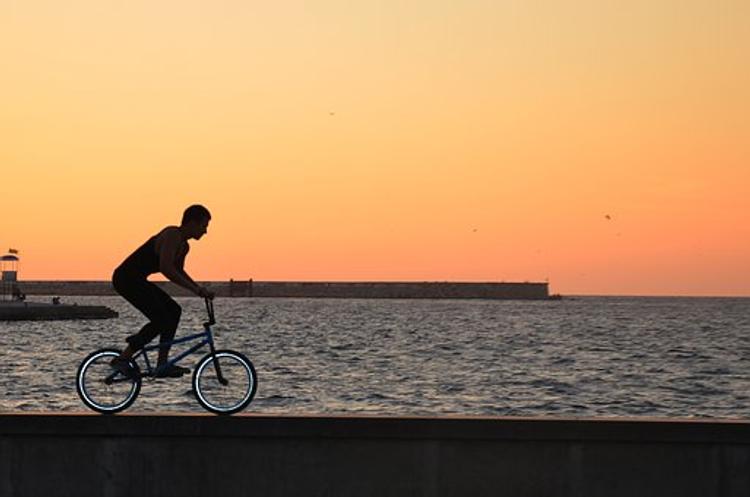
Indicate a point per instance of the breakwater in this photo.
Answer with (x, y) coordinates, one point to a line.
(250, 288)
(35, 311)
(91, 455)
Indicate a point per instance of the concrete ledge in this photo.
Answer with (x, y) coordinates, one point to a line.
(80, 455)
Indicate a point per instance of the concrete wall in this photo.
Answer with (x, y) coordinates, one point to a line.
(185, 456)
(435, 290)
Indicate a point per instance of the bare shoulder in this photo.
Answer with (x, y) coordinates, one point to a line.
(170, 237)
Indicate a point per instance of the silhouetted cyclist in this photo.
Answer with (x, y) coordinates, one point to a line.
(162, 253)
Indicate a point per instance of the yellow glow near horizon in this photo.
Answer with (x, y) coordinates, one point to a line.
(389, 140)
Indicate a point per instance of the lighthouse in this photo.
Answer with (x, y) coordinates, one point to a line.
(9, 276)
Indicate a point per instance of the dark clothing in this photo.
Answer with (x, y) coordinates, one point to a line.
(143, 262)
(129, 280)
(163, 312)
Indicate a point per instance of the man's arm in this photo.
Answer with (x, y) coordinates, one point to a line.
(180, 267)
(168, 263)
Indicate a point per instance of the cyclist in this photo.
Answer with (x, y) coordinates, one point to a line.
(162, 253)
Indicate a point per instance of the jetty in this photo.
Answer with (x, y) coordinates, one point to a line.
(319, 289)
(15, 307)
(39, 311)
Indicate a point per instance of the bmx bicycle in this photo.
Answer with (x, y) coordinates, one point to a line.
(224, 381)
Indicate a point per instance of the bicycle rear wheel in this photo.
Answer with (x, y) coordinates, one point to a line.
(103, 389)
(230, 396)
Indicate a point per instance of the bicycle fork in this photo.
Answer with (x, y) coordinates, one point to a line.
(220, 376)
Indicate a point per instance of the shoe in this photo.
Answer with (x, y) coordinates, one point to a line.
(171, 371)
(122, 366)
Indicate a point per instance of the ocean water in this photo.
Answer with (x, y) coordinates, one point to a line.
(581, 356)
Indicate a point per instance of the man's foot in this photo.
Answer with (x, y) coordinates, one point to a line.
(171, 371)
(122, 366)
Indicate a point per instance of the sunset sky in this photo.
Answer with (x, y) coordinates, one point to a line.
(604, 146)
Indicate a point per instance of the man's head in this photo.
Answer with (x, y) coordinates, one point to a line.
(195, 221)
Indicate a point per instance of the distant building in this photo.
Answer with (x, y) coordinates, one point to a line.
(9, 289)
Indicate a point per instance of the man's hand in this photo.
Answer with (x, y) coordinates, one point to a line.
(205, 292)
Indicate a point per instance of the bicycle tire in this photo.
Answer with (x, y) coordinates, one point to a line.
(237, 369)
(95, 367)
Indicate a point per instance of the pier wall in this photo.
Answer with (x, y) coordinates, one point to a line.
(32, 311)
(91, 455)
(249, 288)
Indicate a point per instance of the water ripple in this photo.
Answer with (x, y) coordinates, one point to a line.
(581, 357)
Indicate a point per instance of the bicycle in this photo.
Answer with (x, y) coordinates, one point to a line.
(230, 390)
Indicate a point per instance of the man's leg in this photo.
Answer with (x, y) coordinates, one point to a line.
(171, 319)
(153, 303)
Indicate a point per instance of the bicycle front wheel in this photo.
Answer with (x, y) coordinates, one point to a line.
(101, 388)
(233, 390)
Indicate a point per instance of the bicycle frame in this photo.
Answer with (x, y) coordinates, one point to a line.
(207, 339)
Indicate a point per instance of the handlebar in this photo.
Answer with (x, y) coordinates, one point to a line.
(210, 311)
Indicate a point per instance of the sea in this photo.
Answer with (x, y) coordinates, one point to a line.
(579, 356)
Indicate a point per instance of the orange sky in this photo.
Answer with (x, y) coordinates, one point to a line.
(422, 140)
